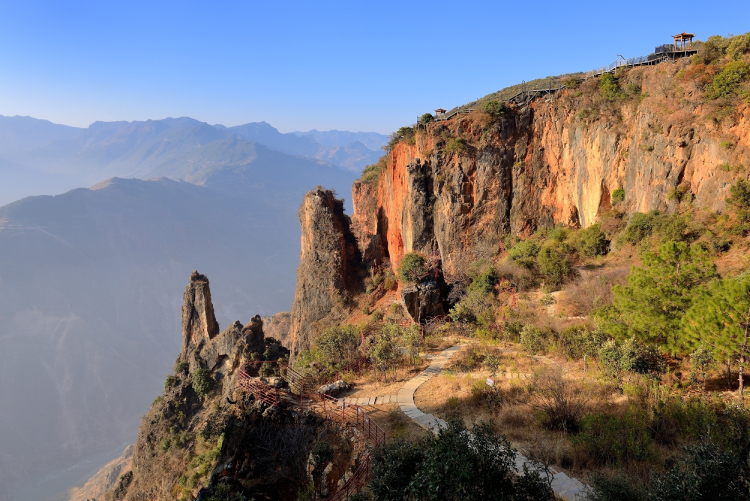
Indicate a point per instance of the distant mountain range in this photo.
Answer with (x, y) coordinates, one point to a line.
(37, 156)
(91, 280)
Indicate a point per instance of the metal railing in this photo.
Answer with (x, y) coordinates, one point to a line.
(334, 408)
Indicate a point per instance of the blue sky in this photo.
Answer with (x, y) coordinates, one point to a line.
(350, 65)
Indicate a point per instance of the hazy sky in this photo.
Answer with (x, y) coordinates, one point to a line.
(349, 65)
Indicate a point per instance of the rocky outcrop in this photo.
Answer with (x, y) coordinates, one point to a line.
(203, 346)
(425, 300)
(198, 320)
(467, 182)
(328, 269)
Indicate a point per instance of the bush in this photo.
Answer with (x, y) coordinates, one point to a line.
(181, 367)
(202, 382)
(630, 356)
(485, 281)
(575, 342)
(455, 145)
(426, 118)
(639, 227)
(393, 466)
(593, 242)
(726, 83)
(476, 307)
(554, 264)
(458, 465)
(371, 173)
(495, 108)
(222, 492)
(532, 341)
(614, 440)
(403, 134)
(609, 87)
(412, 267)
(618, 196)
(524, 252)
(738, 46)
(338, 346)
(169, 382)
(562, 401)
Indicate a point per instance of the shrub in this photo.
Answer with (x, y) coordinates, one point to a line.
(455, 145)
(609, 87)
(393, 466)
(554, 264)
(403, 134)
(726, 83)
(563, 402)
(202, 382)
(614, 440)
(485, 281)
(338, 346)
(389, 281)
(593, 242)
(615, 358)
(412, 267)
(495, 108)
(532, 341)
(169, 382)
(458, 465)
(524, 252)
(639, 227)
(575, 342)
(181, 367)
(371, 173)
(706, 472)
(426, 118)
(222, 492)
(618, 196)
(738, 46)
(476, 307)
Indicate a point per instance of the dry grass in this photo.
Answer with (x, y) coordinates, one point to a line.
(593, 289)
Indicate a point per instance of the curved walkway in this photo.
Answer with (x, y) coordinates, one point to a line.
(565, 487)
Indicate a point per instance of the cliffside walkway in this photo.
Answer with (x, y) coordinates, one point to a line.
(526, 96)
(565, 487)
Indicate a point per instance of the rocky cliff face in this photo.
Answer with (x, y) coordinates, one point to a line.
(206, 438)
(465, 183)
(328, 269)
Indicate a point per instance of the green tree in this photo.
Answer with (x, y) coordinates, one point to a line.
(609, 87)
(554, 264)
(727, 82)
(660, 291)
(339, 346)
(739, 201)
(618, 196)
(383, 349)
(592, 241)
(412, 267)
(426, 118)
(481, 465)
(720, 317)
(485, 281)
(393, 467)
(202, 382)
(411, 338)
(495, 108)
(639, 227)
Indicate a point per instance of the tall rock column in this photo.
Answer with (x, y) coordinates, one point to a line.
(198, 320)
(327, 273)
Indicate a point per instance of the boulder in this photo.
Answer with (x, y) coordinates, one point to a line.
(334, 388)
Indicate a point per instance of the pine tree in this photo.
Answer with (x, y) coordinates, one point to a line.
(720, 318)
(661, 290)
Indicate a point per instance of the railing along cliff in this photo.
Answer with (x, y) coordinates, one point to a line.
(299, 397)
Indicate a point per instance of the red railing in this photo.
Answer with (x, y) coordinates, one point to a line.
(333, 407)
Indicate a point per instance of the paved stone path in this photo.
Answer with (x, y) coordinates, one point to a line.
(565, 487)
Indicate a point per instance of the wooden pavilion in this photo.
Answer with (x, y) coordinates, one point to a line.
(440, 113)
(683, 41)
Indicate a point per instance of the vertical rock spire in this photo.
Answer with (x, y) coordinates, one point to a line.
(199, 323)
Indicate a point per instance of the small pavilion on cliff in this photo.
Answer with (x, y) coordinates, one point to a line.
(683, 41)
(440, 113)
